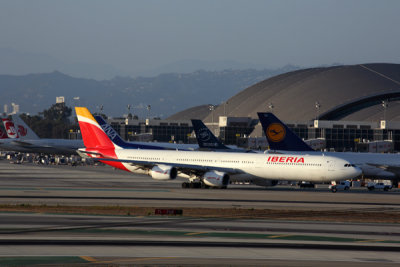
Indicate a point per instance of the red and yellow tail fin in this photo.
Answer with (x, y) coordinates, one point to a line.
(92, 134)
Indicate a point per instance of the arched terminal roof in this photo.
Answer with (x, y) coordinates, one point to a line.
(350, 92)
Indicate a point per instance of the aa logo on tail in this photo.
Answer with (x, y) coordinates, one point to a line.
(276, 132)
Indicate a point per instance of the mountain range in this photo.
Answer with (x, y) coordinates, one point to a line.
(165, 93)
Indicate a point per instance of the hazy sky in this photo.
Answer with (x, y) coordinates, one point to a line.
(136, 35)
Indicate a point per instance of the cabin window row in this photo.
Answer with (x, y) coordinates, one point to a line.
(198, 160)
(290, 163)
(144, 158)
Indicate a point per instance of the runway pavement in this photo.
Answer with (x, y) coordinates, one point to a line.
(27, 238)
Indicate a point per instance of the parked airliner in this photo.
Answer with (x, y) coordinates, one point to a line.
(3, 134)
(209, 142)
(373, 165)
(23, 139)
(117, 139)
(209, 169)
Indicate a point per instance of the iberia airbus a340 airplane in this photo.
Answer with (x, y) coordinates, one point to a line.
(209, 169)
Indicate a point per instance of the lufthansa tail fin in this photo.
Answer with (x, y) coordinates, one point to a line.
(92, 134)
(23, 129)
(205, 137)
(116, 138)
(279, 136)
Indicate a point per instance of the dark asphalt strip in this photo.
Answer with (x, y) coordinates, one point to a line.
(47, 242)
(201, 200)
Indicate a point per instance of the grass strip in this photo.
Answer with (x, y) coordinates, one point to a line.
(367, 216)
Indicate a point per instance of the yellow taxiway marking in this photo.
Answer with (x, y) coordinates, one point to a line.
(88, 258)
(277, 236)
(138, 259)
(197, 233)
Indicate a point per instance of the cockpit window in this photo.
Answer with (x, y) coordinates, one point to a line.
(349, 165)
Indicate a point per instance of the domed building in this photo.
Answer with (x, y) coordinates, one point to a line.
(346, 93)
(348, 102)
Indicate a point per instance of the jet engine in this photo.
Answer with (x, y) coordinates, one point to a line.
(216, 179)
(163, 172)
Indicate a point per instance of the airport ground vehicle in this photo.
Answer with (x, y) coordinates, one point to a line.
(379, 186)
(305, 184)
(342, 185)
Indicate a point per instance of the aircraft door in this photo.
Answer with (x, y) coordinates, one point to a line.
(331, 165)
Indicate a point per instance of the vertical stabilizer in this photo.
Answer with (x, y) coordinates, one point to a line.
(3, 134)
(95, 139)
(23, 129)
(92, 134)
(11, 130)
(279, 136)
(117, 139)
(205, 137)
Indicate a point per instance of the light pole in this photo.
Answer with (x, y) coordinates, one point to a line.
(384, 105)
(128, 107)
(211, 108)
(100, 108)
(149, 109)
(317, 107)
(225, 107)
(76, 104)
(271, 107)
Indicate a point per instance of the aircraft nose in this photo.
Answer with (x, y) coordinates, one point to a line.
(356, 171)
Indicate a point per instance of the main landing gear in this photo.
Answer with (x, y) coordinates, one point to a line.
(192, 185)
(198, 185)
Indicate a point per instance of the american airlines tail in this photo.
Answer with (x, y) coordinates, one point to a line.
(279, 136)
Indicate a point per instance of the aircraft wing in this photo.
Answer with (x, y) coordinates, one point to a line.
(21, 143)
(181, 167)
(387, 168)
(380, 166)
(32, 145)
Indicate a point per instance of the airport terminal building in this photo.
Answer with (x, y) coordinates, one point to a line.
(342, 108)
(247, 133)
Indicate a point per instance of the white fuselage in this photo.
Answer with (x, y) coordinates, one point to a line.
(44, 145)
(266, 166)
(373, 165)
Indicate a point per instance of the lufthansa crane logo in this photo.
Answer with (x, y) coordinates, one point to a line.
(204, 135)
(276, 132)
